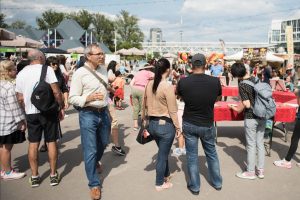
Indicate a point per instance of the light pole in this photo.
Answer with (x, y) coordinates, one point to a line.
(115, 40)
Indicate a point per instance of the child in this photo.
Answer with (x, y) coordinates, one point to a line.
(118, 84)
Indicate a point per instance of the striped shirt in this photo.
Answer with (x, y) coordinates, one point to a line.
(11, 112)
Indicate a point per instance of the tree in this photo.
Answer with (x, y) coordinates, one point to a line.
(2, 21)
(18, 24)
(49, 19)
(130, 35)
(83, 18)
(104, 29)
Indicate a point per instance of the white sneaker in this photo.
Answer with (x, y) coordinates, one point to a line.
(2, 173)
(283, 163)
(13, 175)
(179, 151)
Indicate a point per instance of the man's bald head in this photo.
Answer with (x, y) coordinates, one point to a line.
(36, 57)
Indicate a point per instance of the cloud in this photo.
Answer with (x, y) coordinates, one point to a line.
(221, 7)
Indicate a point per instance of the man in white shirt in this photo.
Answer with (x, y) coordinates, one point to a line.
(88, 93)
(37, 122)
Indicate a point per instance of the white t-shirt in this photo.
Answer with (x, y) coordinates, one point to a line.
(62, 69)
(28, 79)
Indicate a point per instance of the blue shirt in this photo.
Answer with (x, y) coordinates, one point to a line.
(216, 70)
(122, 69)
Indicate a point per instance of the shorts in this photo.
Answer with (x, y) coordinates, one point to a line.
(13, 138)
(38, 124)
(112, 113)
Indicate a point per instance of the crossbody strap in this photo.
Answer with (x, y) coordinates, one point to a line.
(43, 73)
(98, 77)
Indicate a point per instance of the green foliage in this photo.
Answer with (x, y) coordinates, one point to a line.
(49, 19)
(104, 30)
(129, 33)
(83, 18)
(18, 24)
(2, 21)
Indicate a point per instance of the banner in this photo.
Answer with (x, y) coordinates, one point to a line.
(183, 57)
(290, 44)
(7, 49)
(255, 53)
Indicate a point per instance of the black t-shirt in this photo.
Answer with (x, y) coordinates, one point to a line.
(247, 93)
(199, 93)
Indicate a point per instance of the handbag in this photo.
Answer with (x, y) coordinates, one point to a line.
(144, 136)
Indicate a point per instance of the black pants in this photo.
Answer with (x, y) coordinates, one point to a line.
(294, 141)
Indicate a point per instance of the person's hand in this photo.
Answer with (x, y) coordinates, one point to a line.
(66, 106)
(22, 125)
(61, 114)
(95, 97)
(178, 133)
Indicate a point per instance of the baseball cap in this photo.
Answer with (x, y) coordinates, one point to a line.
(198, 60)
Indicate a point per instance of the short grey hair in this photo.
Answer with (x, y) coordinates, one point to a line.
(89, 48)
(35, 54)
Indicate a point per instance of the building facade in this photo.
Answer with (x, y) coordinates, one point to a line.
(156, 36)
(277, 34)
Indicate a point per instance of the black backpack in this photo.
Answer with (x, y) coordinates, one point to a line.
(42, 96)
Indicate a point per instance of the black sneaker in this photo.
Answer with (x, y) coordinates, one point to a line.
(118, 150)
(34, 182)
(54, 180)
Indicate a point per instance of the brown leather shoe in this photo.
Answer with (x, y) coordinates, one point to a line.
(95, 193)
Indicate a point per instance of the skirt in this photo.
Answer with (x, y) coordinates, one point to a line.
(13, 138)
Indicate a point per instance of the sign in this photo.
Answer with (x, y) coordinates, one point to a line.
(255, 53)
(183, 57)
(74, 56)
(290, 44)
(7, 49)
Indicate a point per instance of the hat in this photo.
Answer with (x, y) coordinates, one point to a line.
(198, 60)
(146, 66)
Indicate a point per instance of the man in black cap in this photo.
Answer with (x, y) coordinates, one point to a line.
(199, 93)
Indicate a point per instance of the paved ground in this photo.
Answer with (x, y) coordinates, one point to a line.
(133, 176)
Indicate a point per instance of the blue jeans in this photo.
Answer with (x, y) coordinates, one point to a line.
(95, 131)
(207, 136)
(163, 133)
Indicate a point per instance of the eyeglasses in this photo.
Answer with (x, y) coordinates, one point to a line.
(97, 54)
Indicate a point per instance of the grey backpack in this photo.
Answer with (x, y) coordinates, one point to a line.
(264, 105)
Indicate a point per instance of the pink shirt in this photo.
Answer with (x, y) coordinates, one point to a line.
(141, 79)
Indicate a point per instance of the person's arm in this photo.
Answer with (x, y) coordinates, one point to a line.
(172, 108)
(57, 94)
(20, 99)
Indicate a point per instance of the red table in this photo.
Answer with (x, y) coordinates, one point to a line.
(230, 91)
(283, 97)
(284, 113)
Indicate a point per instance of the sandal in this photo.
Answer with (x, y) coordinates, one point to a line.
(166, 185)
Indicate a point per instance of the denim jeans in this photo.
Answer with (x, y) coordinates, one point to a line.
(163, 133)
(254, 131)
(207, 135)
(95, 131)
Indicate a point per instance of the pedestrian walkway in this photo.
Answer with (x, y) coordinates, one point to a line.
(132, 176)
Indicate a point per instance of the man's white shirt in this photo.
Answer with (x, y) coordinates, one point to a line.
(28, 79)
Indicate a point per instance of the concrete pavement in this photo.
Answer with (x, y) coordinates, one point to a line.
(133, 176)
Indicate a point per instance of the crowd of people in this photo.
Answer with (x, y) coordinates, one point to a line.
(177, 101)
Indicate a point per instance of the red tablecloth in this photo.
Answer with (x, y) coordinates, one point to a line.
(284, 113)
(283, 97)
(230, 91)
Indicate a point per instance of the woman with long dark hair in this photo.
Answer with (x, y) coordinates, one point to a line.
(161, 108)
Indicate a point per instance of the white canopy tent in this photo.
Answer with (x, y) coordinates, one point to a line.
(270, 57)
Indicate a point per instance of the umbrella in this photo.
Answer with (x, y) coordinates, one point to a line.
(53, 50)
(76, 50)
(136, 52)
(269, 57)
(169, 55)
(21, 41)
(123, 52)
(6, 35)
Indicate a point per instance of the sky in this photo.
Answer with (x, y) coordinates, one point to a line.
(199, 20)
